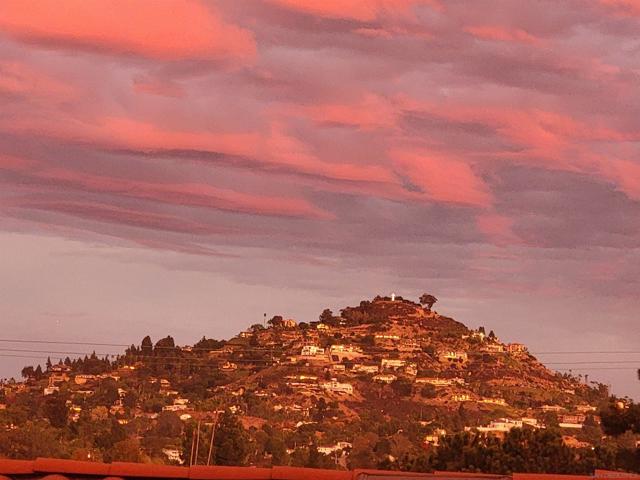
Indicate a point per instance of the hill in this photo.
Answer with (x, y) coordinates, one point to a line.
(382, 382)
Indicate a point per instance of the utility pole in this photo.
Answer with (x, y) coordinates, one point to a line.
(197, 442)
(193, 445)
(213, 432)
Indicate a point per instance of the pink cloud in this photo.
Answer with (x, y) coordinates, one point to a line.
(371, 112)
(171, 30)
(360, 10)
(623, 7)
(502, 34)
(442, 178)
(183, 194)
(497, 228)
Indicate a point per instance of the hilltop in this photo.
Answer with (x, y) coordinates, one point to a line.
(386, 380)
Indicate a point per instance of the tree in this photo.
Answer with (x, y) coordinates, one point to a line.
(27, 372)
(169, 425)
(276, 321)
(326, 316)
(231, 442)
(428, 300)
(127, 450)
(147, 346)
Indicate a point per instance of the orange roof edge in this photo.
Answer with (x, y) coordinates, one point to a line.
(469, 474)
(202, 472)
(15, 467)
(58, 465)
(299, 473)
(549, 476)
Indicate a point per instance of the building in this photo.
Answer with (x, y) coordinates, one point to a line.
(452, 356)
(501, 425)
(392, 364)
(461, 397)
(434, 438)
(339, 446)
(289, 323)
(515, 348)
(228, 366)
(360, 368)
(385, 378)
(82, 379)
(493, 348)
(173, 455)
(323, 327)
(311, 351)
(494, 401)
(436, 382)
(338, 387)
(386, 336)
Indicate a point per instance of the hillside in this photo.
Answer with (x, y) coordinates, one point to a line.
(385, 380)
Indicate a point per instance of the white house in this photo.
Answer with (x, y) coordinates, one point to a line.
(311, 351)
(385, 378)
(338, 387)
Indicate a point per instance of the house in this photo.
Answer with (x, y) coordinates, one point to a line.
(411, 369)
(58, 377)
(246, 334)
(337, 387)
(174, 408)
(392, 364)
(501, 425)
(228, 366)
(386, 336)
(361, 368)
(461, 397)
(341, 352)
(585, 408)
(476, 335)
(180, 401)
(385, 378)
(452, 356)
(323, 327)
(173, 455)
(434, 438)
(492, 348)
(409, 346)
(340, 367)
(515, 348)
(289, 323)
(576, 426)
(576, 418)
(573, 442)
(311, 351)
(552, 408)
(339, 446)
(82, 379)
(494, 401)
(50, 390)
(436, 382)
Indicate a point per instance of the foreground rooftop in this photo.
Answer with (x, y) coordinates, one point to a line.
(56, 469)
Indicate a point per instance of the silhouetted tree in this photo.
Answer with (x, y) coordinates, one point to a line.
(428, 300)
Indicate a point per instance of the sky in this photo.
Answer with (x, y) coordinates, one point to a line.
(186, 168)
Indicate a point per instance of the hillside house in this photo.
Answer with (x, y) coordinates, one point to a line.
(436, 382)
(516, 348)
(385, 378)
(409, 346)
(361, 368)
(386, 336)
(575, 418)
(323, 327)
(174, 408)
(453, 356)
(461, 397)
(339, 446)
(340, 352)
(576, 426)
(502, 425)
(476, 335)
(173, 455)
(411, 369)
(311, 351)
(50, 390)
(392, 364)
(289, 323)
(246, 334)
(492, 348)
(585, 408)
(339, 367)
(337, 387)
(494, 401)
(434, 438)
(552, 408)
(58, 377)
(228, 367)
(60, 368)
(82, 379)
